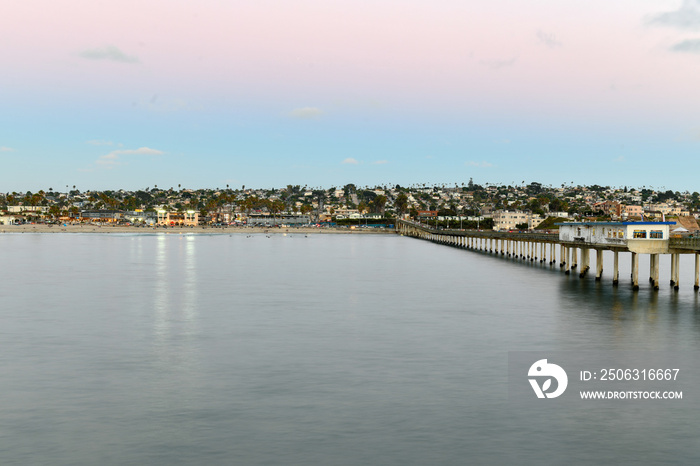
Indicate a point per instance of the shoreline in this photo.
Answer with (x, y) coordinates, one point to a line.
(199, 230)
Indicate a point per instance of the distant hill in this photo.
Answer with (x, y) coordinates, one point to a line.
(689, 223)
(549, 223)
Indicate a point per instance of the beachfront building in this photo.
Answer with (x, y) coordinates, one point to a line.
(38, 209)
(189, 218)
(341, 213)
(11, 219)
(140, 216)
(101, 216)
(284, 219)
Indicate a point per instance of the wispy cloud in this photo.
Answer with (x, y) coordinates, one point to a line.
(482, 164)
(306, 113)
(550, 40)
(686, 17)
(619, 159)
(99, 142)
(380, 162)
(350, 161)
(110, 53)
(6, 149)
(687, 46)
(498, 64)
(113, 159)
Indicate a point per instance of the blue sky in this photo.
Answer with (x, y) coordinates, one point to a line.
(136, 94)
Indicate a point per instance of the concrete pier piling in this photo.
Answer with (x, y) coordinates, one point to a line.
(635, 271)
(598, 264)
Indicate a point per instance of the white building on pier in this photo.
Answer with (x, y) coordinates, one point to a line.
(642, 237)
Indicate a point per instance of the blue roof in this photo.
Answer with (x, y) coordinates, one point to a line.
(587, 224)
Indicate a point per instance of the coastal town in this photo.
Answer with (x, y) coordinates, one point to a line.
(467, 205)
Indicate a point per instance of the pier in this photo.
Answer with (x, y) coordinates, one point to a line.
(574, 245)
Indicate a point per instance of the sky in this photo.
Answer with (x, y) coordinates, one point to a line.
(143, 93)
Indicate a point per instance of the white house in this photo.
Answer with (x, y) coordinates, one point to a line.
(641, 237)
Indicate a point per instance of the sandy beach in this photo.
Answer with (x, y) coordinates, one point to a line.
(210, 230)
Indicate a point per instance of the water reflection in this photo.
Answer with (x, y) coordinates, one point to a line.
(161, 292)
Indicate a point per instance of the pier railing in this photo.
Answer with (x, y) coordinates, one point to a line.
(524, 236)
(684, 243)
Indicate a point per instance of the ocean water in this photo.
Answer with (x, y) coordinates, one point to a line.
(326, 349)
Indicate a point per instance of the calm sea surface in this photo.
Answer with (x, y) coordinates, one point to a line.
(318, 350)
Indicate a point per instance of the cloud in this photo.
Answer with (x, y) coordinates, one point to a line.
(306, 113)
(498, 64)
(619, 159)
(99, 142)
(350, 161)
(482, 164)
(6, 149)
(380, 162)
(113, 159)
(140, 150)
(687, 46)
(550, 40)
(686, 17)
(110, 53)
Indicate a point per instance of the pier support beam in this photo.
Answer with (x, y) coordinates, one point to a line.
(696, 286)
(598, 264)
(574, 258)
(552, 253)
(674, 259)
(654, 259)
(567, 262)
(635, 271)
(543, 252)
(673, 268)
(616, 268)
(676, 271)
(562, 255)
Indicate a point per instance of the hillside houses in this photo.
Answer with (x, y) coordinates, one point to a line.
(506, 205)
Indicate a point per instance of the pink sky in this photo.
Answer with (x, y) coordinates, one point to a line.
(421, 51)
